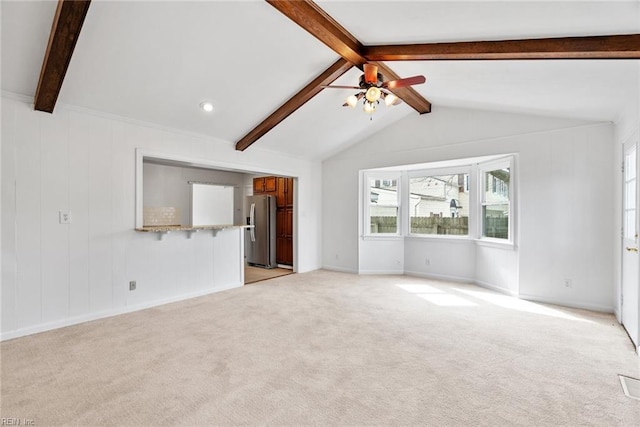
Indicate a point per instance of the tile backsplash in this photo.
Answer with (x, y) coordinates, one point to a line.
(155, 216)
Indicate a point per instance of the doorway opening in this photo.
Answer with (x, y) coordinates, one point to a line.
(171, 180)
(254, 274)
(278, 257)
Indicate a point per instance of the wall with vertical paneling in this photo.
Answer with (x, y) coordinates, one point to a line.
(58, 274)
(627, 131)
(564, 205)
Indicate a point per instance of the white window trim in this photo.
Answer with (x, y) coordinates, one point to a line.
(505, 162)
(454, 170)
(366, 200)
(495, 243)
(476, 196)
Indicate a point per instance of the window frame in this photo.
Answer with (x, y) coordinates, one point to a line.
(381, 176)
(455, 170)
(474, 167)
(483, 169)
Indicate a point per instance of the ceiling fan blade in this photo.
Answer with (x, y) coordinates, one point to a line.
(340, 87)
(370, 73)
(409, 81)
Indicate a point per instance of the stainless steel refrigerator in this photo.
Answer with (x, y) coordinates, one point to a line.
(260, 247)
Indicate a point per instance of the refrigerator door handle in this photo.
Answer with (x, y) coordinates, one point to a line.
(252, 221)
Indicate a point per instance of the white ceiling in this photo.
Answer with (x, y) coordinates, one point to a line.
(156, 61)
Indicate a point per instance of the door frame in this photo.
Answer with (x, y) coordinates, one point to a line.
(625, 243)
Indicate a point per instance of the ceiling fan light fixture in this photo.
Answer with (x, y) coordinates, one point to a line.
(373, 89)
(351, 101)
(390, 99)
(206, 106)
(369, 107)
(373, 94)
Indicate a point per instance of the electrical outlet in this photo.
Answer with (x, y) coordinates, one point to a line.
(64, 217)
(132, 285)
(568, 283)
(427, 262)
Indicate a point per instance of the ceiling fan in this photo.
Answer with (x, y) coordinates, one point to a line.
(373, 88)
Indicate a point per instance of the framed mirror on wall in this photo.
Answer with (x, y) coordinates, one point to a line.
(211, 204)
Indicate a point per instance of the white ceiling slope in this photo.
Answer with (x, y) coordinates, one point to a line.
(156, 61)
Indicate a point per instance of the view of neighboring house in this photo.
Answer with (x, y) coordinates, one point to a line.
(439, 196)
(439, 204)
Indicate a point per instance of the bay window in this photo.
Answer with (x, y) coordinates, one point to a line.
(462, 198)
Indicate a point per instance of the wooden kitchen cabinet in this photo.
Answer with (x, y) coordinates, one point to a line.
(270, 184)
(282, 189)
(289, 194)
(265, 185)
(258, 185)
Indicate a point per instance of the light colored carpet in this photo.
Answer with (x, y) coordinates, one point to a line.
(257, 274)
(327, 348)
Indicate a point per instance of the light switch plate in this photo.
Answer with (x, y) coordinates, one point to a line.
(65, 217)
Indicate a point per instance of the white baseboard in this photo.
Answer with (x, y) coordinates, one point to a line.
(446, 277)
(109, 313)
(618, 315)
(381, 272)
(572, 304)
(499, 289)
(339, 269)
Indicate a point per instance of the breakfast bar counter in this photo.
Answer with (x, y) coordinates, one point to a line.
(163, 230)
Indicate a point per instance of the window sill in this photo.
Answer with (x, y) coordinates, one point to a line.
(383, 237)
(489, 243)
(442, 238)
(496, 243)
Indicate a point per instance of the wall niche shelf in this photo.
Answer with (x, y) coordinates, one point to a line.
(163, 230)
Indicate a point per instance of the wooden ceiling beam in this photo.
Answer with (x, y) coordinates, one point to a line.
(625, 46)
(407, 93)
(319, 24)
(340, 67)
(67, 23)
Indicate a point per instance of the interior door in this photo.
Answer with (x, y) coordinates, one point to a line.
(630, 256)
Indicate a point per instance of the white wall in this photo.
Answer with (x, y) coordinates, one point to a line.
(575, 241)
(497, 268)
(381, 256)
(451, 259)
(564, 177)
(55, 274)
(627, 130)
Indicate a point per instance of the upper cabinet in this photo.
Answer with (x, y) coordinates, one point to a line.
(258, 185)
(278, 186)
(270, 184)
(265, 184)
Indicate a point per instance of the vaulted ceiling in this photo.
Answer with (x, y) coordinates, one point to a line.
(156, 61)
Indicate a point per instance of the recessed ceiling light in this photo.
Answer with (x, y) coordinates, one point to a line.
(206, 106)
